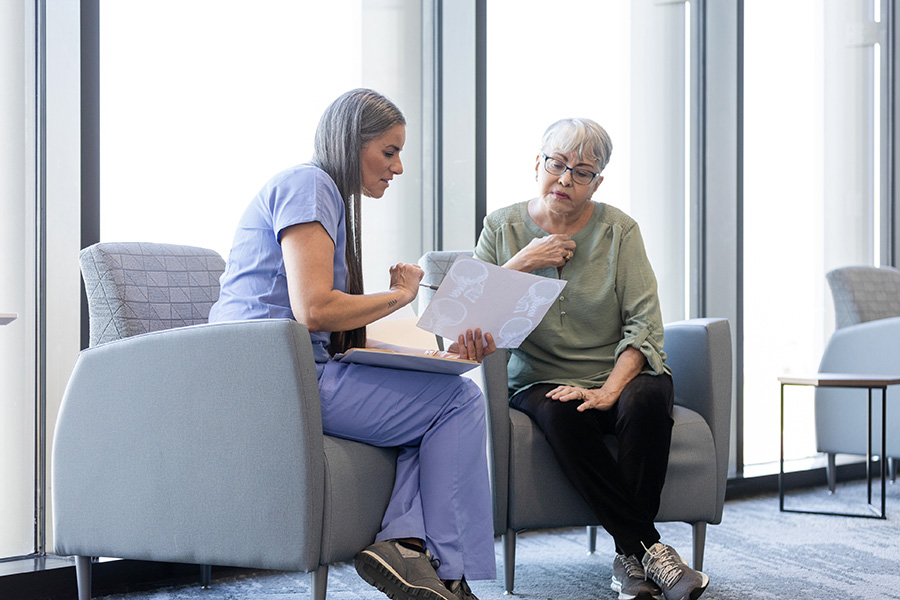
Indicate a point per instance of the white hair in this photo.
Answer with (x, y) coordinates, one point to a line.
(583, 136)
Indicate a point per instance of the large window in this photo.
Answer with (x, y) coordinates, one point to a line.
(18, 471)
(203, 101)
(622, 64)
(811, 193)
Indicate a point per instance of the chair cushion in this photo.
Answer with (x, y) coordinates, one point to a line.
(688, 495)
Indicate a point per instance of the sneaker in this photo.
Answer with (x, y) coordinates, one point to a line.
(461, 589)
(676, 580)
(402, 573)
(629, 580)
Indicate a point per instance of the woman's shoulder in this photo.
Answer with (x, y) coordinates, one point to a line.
(514, 213)
(616, 217)
(302, 174)
(300, 181)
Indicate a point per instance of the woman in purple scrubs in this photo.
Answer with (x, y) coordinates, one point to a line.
(296, 254)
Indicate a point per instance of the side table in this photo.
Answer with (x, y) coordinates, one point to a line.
(868, 382)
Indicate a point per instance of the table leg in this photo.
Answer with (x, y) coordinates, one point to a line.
(781, 455)
(869, 451)
(884, 458)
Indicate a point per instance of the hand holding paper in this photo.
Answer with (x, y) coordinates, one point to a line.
(472, 345)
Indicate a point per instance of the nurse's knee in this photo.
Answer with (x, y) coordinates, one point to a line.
(470, 395)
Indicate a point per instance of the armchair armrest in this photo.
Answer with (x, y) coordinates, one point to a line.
(699, 353)
(866, 348)
(494, 385)
(199, 444)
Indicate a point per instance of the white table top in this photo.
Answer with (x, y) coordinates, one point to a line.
(843, 380)
(6, 318)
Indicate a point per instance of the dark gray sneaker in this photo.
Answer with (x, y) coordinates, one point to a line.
(461, 589)
(676, 580)
(402, 573)
(629, 580)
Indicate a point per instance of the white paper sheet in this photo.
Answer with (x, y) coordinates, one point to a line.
(474, 294)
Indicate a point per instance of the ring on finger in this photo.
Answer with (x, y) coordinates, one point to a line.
(583, 398)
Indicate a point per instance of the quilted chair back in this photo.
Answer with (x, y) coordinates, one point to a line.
(436, 266)
(863, 294)
(136, 287)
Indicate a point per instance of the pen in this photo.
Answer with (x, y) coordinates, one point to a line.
(429, 286)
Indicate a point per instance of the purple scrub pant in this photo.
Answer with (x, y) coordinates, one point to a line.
(441, 492)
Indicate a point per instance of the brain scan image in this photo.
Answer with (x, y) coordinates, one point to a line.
(468, 277)
(443, 313)
(539, 294)
(514, 332)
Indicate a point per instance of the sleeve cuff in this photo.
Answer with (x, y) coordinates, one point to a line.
(637, 338)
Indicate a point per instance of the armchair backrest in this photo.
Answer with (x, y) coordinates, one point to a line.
(136, 287)
(436, 265)
(864, 294)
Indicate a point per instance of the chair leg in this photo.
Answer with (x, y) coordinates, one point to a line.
(205, 576)
(592, 538)
(831, 472)
(319, 580)
(83, 576)
(509, 559)
(699, 544)
(892, 469)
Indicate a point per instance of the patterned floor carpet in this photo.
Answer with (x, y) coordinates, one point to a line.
(756, 552)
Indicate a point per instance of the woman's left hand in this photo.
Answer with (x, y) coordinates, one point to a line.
(596, 399)
(472, 346)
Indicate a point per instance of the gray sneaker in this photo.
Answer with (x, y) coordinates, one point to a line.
(629, 580)
(461, 589)
(402, 573)
(676, 580)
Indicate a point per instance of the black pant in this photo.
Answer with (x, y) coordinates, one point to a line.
(624, 492)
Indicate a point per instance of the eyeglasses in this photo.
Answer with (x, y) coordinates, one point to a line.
(580, 175)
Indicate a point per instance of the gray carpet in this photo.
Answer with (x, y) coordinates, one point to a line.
(756, 552)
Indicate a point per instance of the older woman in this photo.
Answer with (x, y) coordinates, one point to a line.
(595, 365)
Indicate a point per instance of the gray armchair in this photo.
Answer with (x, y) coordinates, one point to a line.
(530, 490)
(201, 443)
(866, 341)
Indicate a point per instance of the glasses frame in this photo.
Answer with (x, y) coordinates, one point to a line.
(567, 168)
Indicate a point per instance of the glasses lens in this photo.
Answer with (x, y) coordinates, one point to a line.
(582, 176)
(553, 166)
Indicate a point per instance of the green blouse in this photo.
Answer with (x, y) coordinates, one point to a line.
(609, 303)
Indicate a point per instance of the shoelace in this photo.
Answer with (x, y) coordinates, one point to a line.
(435, 561)
(664, 566)
(633, 567)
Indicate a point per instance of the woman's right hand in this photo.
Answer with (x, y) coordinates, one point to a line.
(553, 250)
(405, 278)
